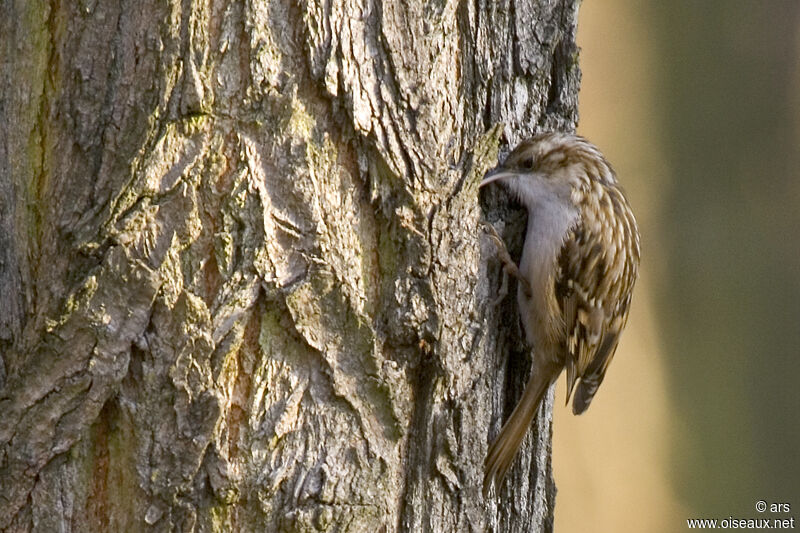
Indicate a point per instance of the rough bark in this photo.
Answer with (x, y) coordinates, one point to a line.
(242, 280)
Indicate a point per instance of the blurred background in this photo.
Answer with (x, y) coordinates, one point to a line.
(697, 105)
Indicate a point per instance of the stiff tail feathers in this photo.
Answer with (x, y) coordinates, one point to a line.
(504, 448)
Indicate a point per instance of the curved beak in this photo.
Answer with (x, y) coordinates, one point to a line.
(496, 174)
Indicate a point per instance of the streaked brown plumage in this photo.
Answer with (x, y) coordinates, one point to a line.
(580, 259)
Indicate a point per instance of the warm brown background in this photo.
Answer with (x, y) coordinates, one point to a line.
(697, 106)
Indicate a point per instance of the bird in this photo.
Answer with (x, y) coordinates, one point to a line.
(579, 263)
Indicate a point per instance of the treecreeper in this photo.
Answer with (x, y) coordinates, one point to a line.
(579, 263)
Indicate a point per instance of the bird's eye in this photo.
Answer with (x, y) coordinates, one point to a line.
(527, 163)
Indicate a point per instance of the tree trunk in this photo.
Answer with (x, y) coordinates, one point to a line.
(242, 280)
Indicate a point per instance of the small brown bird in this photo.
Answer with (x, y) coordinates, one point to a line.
(579, 263)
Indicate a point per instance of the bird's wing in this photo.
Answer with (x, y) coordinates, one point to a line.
(590, 281)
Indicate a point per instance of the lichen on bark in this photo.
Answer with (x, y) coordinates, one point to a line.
(242, 273)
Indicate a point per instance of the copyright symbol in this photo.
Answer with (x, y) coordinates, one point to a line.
(761, 506)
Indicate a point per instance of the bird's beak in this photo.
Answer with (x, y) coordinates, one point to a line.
(495, 174)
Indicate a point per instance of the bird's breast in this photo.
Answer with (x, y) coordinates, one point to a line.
(548, 225)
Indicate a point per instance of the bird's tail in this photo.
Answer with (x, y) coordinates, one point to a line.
(505, 446)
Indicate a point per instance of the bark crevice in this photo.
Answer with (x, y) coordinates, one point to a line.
(242, 283)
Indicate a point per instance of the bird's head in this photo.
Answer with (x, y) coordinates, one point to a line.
(550, 166)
